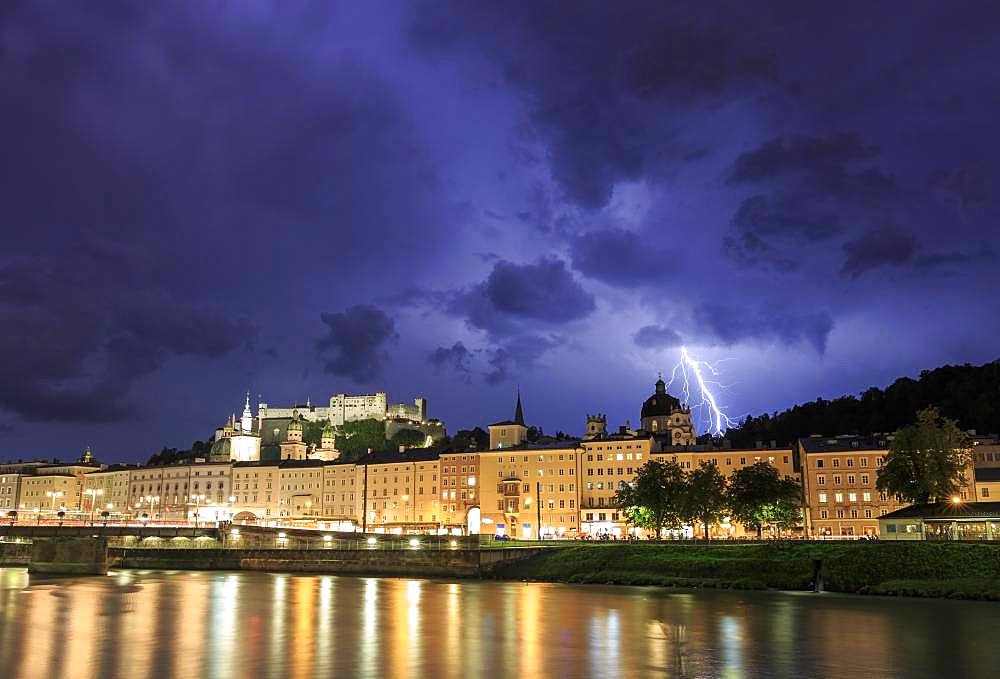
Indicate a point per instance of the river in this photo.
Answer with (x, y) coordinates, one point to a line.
(215, 625)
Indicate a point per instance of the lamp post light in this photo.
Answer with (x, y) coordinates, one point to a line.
(197, 504)
(93, 493)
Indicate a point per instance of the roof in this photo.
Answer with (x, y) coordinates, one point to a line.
(518, 410)
(842, 443)
(988, 474)
(660, 403)
(948, 511)
(555, 445)
(506, 423)
(284, 464)
(409, 455)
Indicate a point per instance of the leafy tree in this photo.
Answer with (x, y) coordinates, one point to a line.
(410, 438)
(969, 394)
(704, 497)
(312, 432)
(758, 495)
(654, 498)
(355, 438)
(469, 439)
(925, 460)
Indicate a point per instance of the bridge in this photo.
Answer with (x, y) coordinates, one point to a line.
(95, 549)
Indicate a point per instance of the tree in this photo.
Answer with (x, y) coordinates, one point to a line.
(469, 439)
(704, 496)
(409, 438)
(653, 499)
(758, 496)
(312, 432)
(925, 460)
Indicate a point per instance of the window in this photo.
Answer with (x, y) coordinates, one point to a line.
(822, 497)
(838, 497)
(836, 462)
(821, 480)
(864, 462)
(823, 514)
(986, 491)
(867, 497)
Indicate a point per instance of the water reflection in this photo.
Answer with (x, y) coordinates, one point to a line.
(220, 625)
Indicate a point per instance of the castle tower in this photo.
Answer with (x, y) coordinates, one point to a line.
(293, 434)
(246, 421)
(509, 432)
(597, 426)
(328, 441)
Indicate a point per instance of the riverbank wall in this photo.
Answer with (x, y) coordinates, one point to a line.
(466, 563)
(954, 570)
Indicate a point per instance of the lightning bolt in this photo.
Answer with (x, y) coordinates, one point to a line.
(690, 370)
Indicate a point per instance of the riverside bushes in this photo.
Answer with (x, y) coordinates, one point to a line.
(913, 568)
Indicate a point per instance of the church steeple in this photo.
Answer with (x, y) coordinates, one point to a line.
(246, 422)
(518, 410)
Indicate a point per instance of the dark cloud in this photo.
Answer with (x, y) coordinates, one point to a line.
(619, 257)
(953, 263)
(825, 157)
(970, 185)
(81, 342)
(456, 357)
(518, 353)
(516, 295)
(875, 249)
(355, 343)
(657, 337)
(731, 325)
(604, 95)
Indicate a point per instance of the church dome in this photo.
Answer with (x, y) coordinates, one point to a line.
(296, 423)
(660, 403)
(329, 431)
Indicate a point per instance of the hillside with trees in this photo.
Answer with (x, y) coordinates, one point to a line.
(968, 394)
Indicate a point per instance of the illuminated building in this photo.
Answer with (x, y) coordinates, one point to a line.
(402, 491)
(509, 433)
(663, 415)
(10, 490)
(528, 487)
(460, 491)
(106, 490)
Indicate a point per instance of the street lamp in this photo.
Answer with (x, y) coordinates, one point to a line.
(93, 493)
(197, 503)
(54, 495)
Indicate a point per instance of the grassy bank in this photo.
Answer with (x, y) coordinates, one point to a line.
(968, 571)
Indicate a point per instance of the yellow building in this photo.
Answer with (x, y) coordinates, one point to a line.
(606, 464)
(839, 476)
(402, 491)
(987, 484)
(460, 491)
(255, 492)
(106, 490)
(529, 487)
(181, 491)
(509, 433)
(342, 494)
(300, 488)
(50, 492)
(10, 490)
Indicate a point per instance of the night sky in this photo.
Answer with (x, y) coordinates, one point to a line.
(453, 200)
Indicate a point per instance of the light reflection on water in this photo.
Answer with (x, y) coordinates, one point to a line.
(219, 625)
